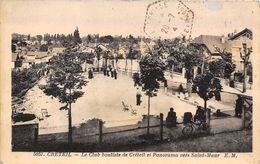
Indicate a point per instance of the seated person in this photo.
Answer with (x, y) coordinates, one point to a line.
(200, 114)
(187, 118)
(171, 118)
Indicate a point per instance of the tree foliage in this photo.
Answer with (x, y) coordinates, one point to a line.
(188, 55)
(206, 85)
(225, 65)
(65, 82)
(216, 67)
(133, 53)
(152, 71)
(23, 80)
(66, 76)
(44, 47)
(76, 36)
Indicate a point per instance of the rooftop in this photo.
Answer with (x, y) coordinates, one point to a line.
(241, 33)
(37, 54)
(211, 41)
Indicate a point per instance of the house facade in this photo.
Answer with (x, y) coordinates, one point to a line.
(237, 40)
(233, 44)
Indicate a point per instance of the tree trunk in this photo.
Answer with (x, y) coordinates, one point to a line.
(70, 123)
(205, 107)
(188, 75)
(98, 66)
(207, 112)
(202, 67)
(245, 75)
(148, 116)
(172, 69)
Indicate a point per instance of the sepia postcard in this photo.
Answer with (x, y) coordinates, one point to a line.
(131, 81)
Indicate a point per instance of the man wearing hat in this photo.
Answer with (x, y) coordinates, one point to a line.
(171, 118)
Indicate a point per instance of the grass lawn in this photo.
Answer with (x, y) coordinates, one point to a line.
(238, 141)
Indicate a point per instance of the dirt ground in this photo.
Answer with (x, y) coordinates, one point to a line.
(238, 141)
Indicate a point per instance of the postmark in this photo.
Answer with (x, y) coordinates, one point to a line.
(168, 19)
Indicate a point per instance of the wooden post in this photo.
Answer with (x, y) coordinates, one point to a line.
(161, 126)
(243, 117)
(208, 119)
(148, 115)
(100, 132)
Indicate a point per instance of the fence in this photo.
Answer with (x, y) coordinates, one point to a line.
(247, 113)
(95, 132)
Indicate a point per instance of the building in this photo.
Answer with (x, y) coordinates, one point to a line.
(57, 50)
(30, 58)
(233, 44)
(210, 42)
(237, 40)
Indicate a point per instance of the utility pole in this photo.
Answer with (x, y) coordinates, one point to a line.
(244, 55)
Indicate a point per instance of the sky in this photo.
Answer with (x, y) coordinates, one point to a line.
(121, 17)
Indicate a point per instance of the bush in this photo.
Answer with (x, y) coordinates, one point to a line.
(23, 80)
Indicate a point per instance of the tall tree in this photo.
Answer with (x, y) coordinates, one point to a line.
(28, 37)
(206, 86)
(188, 55)
(217, 67)
(132, 54)
(192, 56)
(159, 49)
(174, 58)
(76, 36)
(65, 83)
(39, 38)
(98, 52)
(152, 71)
(46, 37)
(228, 67)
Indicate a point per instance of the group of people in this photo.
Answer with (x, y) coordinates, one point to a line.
(200, 115)
(110, 71)
(171, 119)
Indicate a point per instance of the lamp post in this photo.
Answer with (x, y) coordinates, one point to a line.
(244, 55)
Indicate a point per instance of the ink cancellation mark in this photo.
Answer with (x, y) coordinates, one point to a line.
(168, 19)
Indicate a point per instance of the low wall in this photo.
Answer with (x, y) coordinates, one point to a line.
(24, 135)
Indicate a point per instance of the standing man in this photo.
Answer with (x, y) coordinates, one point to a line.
(89, 73)
(239, 106)
(138, 96)
(165, 85)
(92, 73)
(180, 89)
(115, 74)
(171, 118)
(112, 72)
(105, 71)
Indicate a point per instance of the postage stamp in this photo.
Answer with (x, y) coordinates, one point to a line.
(168, 19)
